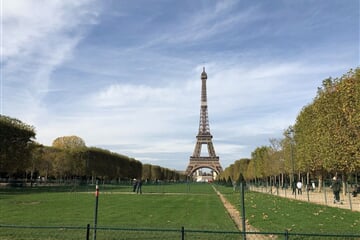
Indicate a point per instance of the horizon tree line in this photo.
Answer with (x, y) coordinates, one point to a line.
(67, 159)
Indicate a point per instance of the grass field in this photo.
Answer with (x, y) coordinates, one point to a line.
(194, 206)
(270, 213)
(191, 206)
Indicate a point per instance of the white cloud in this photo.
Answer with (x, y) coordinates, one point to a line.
(126, 95)
(28, 24)
(38, 36)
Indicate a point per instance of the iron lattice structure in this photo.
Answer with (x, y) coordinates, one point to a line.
(204, 137)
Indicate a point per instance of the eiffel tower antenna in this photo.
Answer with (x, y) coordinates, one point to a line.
(204, 137)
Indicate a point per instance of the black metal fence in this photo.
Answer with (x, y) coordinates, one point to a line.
(12, 232)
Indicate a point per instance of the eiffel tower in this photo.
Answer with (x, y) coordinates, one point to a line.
(204, 137)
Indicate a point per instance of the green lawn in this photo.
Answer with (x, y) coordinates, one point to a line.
(195, 209)
(162, 207)
(194, 206)
(270, 213)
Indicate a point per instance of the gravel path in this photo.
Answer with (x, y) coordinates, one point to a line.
(237, 219)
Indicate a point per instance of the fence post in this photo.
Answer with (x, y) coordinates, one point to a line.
(308, 192)
(96, 208)
(349, 195)
(88, 232)
(182, 233)
(324, 188)
(286, 234)
(243, 210)
(188, 185)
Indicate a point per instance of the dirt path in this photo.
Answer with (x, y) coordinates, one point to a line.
(237, 219)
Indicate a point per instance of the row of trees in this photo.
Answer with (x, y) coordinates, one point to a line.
(323, 142)
(67, 158)
(82, 162)
(155, 172)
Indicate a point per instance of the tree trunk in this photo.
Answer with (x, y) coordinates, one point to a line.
(308, 179)
(344, 179)
(320, 178)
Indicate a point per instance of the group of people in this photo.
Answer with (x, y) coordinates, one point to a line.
(137, 184)
(335, 187)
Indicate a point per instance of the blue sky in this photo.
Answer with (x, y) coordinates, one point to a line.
(125, 75)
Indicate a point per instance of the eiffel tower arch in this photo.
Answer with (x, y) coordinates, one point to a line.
(204, 137)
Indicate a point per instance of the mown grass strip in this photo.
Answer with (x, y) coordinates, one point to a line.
(270, 213)
(197, 208)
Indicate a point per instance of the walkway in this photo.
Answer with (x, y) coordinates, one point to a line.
(236, 217)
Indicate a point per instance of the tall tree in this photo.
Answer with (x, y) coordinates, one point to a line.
(146, 171)
(260, 156)
(68, 142)
(16, 140)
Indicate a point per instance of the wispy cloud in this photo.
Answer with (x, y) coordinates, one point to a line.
(135, 95)
(31, 26)
(37, 37)
(210, 22)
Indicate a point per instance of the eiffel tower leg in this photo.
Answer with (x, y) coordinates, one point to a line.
(211, 149)
(197, 150)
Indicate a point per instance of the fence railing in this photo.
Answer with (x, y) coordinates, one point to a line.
(13, 232)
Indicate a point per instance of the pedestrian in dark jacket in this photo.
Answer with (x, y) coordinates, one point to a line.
(336, 188)
(139, 185)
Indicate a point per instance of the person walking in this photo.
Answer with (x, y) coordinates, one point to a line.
(135, 183)
(139, 185)
(299, 187)
(313, 186)
(336, 187)
(293, 186)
